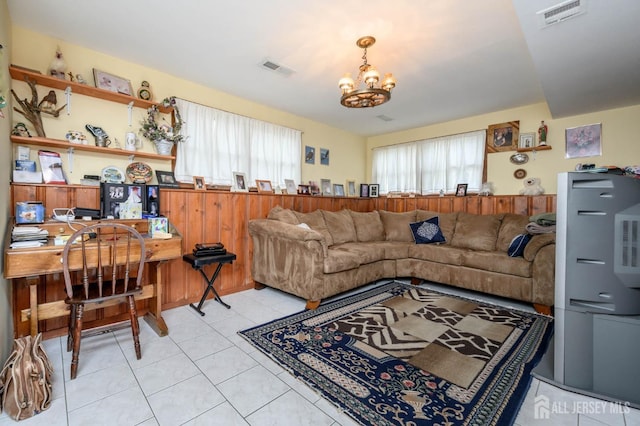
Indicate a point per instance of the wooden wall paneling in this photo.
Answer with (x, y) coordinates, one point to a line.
(473, 204)
(458, 204)
(234, 213)
(521, 204)
(176, 273)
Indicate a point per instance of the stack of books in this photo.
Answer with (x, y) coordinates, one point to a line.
(28, 236)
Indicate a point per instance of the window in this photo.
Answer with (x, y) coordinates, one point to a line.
(221, 143)
(429, 165)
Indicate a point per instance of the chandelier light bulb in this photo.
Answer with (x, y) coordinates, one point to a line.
(371, 77)
(346, 83)
(389, 82)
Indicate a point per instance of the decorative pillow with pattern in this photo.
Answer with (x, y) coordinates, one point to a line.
(427, 232)
(518, 244)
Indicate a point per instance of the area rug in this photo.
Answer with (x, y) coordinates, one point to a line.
(406, 355)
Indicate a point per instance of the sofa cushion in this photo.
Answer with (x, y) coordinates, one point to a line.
(477, 232)
(512, 225)
(396, 225)
(283, 215)
(393, 250)
(315, 220)
(427, 231)
(446, 221)
(340, 226)
(497, 261)
(518, 244)
(368, 226)
(339, 260)
(365, 253)
(437, 253)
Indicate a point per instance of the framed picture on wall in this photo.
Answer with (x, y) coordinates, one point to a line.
(584, 141)
(503, 136)
(166, 179)
(112, 83)
(527, 140)
(309, 155)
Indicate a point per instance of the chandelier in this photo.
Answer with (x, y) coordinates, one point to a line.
(371, 94)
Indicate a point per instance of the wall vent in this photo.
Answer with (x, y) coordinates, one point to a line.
(275, 67)
(561, 12)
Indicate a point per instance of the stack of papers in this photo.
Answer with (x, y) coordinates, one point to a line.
(28, 236)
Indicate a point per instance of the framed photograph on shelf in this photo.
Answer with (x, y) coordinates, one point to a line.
(314, 189)
(461, 190)
(527, 140)
(239, 182)
(351, 188)
(338, 190)
(304, 190)
(364, 189)
(264, 186)
(374, 188)
(198, 183)
(584, 141)
(166, 179)
(112, 83)
(503, 136)
(325, 186)
(112, 195)
(152, 203)
(290, 185)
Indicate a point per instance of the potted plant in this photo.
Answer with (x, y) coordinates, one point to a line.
(162, 134)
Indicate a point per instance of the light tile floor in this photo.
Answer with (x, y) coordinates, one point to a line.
(203, 373)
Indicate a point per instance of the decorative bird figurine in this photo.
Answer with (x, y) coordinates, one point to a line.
(58, 66)
(49, 102)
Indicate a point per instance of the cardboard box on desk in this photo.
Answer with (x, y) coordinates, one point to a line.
(29, 212)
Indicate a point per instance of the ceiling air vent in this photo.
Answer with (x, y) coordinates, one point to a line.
(384, 117)
(561, 12)
(272, 66)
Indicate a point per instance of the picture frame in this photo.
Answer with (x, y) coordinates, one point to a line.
(290, 186)
(364, 190)
(264, 186)
(166, 179)
(325, 187)
(112, 83)
(374, 190)
(324, 156)
(338, 190)
(239, 182)
(583, 141)
(112, 194)
(152, 201)
(527, 140)
(461, 190)
(304, 189)
(199, 184)
(351, 188)
(309, 155)
(314, 189)
(503, 136)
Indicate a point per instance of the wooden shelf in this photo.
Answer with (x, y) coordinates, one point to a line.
(535, 148)
(82, 89)
(63, 144)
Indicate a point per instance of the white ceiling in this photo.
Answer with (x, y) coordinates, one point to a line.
(452, 58)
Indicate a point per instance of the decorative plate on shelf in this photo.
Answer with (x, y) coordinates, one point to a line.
(139, 172)
(112, 174)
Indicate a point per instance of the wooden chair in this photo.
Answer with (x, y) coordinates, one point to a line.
(102, 263)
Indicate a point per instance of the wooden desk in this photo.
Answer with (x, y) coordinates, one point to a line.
(31, 264)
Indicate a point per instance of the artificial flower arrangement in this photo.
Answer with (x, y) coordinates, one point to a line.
(155, 131)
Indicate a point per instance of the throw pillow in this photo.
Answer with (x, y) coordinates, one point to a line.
(518, 244)
(427, 232)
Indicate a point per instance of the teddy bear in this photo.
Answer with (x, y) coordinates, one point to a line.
(532, 187)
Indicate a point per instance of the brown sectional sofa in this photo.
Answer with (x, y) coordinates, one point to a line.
(339, 251)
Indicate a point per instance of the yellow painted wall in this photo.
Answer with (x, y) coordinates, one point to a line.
(620, 142)
(35, 50)
(6, 323)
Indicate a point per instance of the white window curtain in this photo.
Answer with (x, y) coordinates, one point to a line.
(220, 143)
(431, 165)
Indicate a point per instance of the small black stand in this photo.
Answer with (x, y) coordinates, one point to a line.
(198, 262)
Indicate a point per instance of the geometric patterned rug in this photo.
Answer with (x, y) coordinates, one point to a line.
(404, 355)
